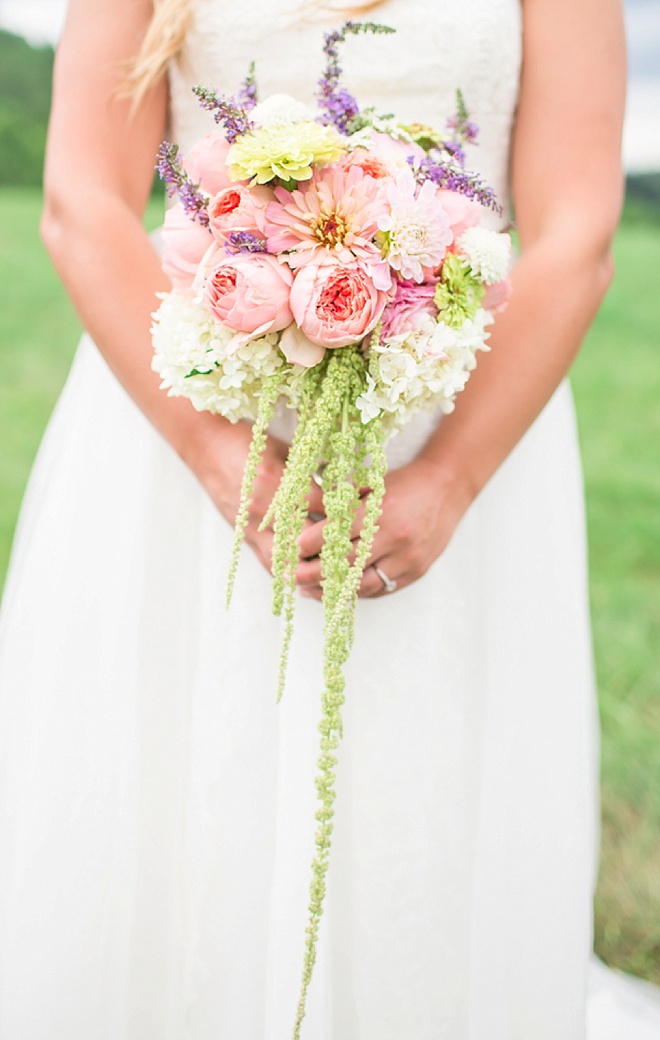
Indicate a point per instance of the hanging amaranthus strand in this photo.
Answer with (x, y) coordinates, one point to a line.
(343, 477)
(332, 381)
(329, 429)
(267, 402)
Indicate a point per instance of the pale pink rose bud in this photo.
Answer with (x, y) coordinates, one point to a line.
(461, 212)
(184, 243)
(206, 163)
(336, 304)
(497, 296)
(238, 208)
(250, 292)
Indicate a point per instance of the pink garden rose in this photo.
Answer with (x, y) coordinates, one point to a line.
(395, 154)
(461, 212)
(249, 292)
(238, 208)
(184, 243)
(369, 163)
(336, 304)
(206, 164)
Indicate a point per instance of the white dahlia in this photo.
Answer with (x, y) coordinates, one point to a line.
(487, 252)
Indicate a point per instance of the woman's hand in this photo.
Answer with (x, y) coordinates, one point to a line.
(220, 470)
(421, 509)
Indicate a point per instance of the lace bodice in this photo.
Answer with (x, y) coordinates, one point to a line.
(438, 46)
(413, 74)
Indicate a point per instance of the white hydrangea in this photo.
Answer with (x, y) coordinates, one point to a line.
(415, 371)
(194, 359)
(487, 252)
(421, 370)
(280, 110)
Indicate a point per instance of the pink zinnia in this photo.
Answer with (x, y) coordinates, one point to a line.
(335, 213)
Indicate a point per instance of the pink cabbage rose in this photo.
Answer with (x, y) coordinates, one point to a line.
(395, 154)
(249, 292)
(206, 163)
(410, 301)
(497, 296)
(336, 304)
(184, 243)
(461, 212)
(238, 208)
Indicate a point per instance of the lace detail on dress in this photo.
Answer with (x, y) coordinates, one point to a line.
(413, 74)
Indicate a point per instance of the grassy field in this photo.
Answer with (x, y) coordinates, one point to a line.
(617, 386)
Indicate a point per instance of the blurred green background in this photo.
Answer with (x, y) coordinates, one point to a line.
(617, 387)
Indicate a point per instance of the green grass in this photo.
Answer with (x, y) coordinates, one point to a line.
(617, 386)
(38, 335)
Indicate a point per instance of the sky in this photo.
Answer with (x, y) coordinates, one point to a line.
(42, 20)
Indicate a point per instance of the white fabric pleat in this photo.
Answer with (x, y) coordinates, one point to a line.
(157, 808)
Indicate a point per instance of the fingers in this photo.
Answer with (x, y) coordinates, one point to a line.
(315, 500)
(311, 540)
(375, 584)
(261, 543)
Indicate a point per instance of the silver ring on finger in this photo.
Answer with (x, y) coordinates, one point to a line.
(389, 583)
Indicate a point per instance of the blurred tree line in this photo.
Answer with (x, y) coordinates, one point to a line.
(25, 81)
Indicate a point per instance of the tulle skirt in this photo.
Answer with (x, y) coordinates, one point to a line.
(157, 807)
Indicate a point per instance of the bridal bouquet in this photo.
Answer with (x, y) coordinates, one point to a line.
(334, 260)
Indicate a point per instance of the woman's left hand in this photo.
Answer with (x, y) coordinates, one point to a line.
(421, 509)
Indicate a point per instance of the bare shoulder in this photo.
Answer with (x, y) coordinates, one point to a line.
(91, 119)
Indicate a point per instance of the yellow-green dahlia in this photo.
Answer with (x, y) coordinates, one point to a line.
(287, 152)
(458, 293)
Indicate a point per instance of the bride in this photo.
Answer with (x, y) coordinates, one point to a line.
(156, 808)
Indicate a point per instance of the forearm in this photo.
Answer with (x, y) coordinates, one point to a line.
(556, 293)
(112, 274)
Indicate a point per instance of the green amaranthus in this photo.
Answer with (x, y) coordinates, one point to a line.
(330, 431)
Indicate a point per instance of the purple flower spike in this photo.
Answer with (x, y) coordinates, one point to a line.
(464, 131)
(248, 95)
(177, 182)
(449, 175)
(227, 111)
(245, 242)
(338, 107)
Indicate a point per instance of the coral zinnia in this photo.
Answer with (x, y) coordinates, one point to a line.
(335, 213)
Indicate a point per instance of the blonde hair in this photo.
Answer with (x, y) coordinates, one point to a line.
(168, 29)
(163, 41)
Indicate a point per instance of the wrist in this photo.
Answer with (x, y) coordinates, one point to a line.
(215, 453)
(449, 480)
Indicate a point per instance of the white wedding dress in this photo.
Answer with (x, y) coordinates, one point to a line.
(157, 808)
